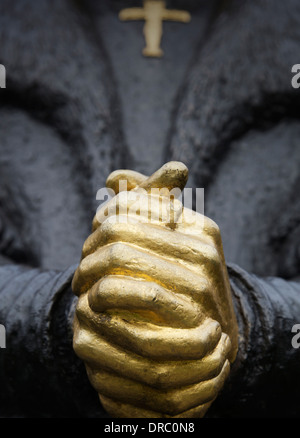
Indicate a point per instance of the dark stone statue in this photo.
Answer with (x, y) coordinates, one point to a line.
(81, 101)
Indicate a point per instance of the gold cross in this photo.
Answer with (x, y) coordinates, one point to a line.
(154, 13)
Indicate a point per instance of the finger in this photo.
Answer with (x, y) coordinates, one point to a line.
(118, 409)
(123, 259)
(190, 252)
(149, 340)
(170, 402)
(149, 209)
(100, 353)
(148, 298)
(158, 342)
(132, 178)
(172, 175)
(141, 206)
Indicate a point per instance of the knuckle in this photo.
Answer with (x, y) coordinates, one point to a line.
(107, 287)
(227, 345)
(79, 342)
(207, 252)
(218, 359)
(80, 309)
(211, 226)
(172, 403)
(212, 230)
(203, 287)
(116, 252)
(95, 222)
(216, 362)
(214, 389)
(214, 329)
(111, 230)
(103, 285)
(77, 279)
(83, 267)
(213, 256)
(87, 247)
(166, 379)
(161, 377)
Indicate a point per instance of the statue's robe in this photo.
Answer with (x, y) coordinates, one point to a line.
(81, 102)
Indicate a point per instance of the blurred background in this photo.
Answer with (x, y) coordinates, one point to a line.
(82, 101)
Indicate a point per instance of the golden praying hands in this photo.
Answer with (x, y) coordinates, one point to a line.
(154, 323)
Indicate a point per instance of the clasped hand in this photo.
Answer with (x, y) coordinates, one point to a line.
(154, 321)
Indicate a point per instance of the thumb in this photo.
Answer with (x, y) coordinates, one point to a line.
(173, 174)
(132, 178)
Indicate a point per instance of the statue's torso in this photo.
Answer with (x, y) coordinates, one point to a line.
(96, 104)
